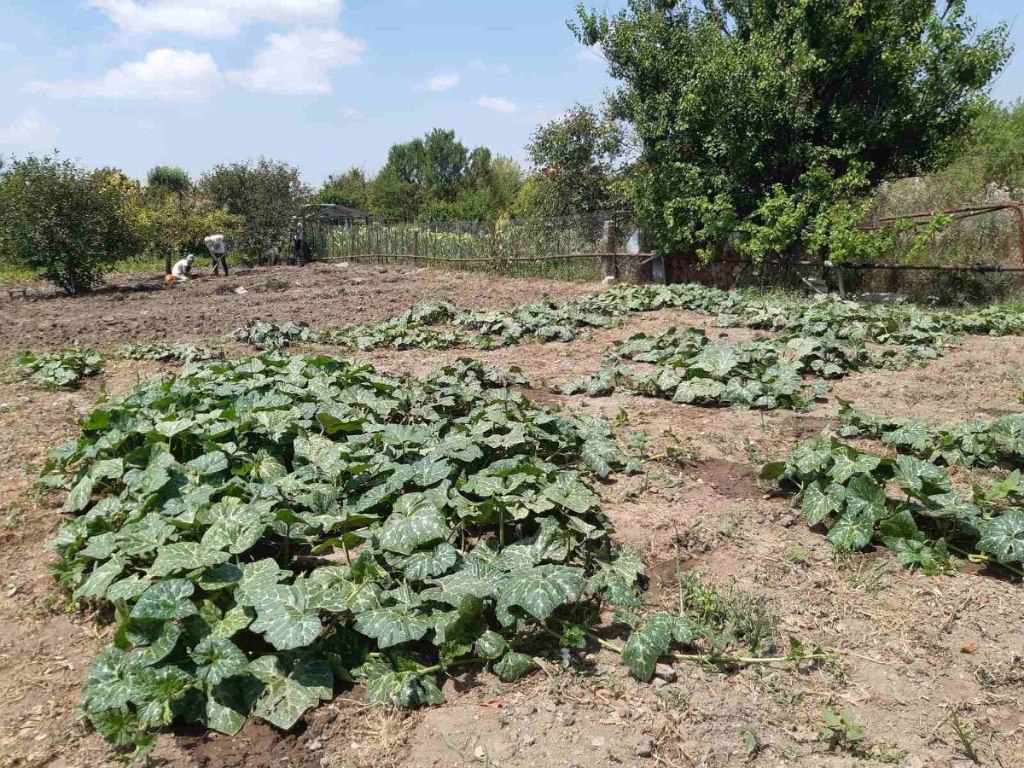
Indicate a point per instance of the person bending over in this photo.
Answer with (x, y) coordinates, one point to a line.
(218, 252)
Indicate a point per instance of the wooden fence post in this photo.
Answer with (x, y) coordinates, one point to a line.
(609, 265)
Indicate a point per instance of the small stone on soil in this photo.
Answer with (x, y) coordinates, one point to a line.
(665, 671)
(644, 747)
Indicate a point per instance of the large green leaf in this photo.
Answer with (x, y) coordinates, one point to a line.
(107, 685)
(185, 556)
(847, 464)
(145, 536)
(572, 493)
(1003, 536)
(208, 464)
(237, 527)
(290, 691)
(415, 520)
(424, 565)
(100, 579)
(865, 498)
(818, 503)
(154, 642)
(80, 495)
(538, 591)
(217, 659)
(257, 577)
(394, 625)
(650, 642)
(229, 703)
(715, 360)
(285, 617)
(513, 666)
(454, 588)
(166, 601)
(852, 531)
(331, 589)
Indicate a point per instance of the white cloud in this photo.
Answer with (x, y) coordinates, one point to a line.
(440, 83)
(482, 66)
(30, 129)
(7, 47)
(165, 74)
(212, 18)
(299, 62)
(497, 104)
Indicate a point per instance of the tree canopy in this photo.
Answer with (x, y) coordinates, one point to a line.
(577, 159)
(167, 178)
(350, 188)
(765, 123)
(266, 194)
(431, 178)
(67, 223)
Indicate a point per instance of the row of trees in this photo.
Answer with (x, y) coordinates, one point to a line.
(70, 224)
(758, 126)
(577, 160)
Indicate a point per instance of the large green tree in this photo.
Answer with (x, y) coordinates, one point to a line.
(67, 223)
(176, 216)
(437, 178)
(766, 123)
(350, 188)
(577, 159)
(265, 194)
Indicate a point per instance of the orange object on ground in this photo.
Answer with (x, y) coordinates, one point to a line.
(169, 279)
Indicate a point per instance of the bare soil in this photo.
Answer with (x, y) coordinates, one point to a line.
(142, 308)
(910, 649)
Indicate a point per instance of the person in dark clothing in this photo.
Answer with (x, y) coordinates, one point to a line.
(299, 246)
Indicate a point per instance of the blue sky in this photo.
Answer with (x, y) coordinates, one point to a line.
(322, 84)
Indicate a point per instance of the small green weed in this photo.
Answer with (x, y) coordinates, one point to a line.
(840, 731)
(734, 616)
(797, 555)
(966, 738)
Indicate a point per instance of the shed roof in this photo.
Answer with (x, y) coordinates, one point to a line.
(329, 211)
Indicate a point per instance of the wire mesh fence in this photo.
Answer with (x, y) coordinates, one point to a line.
(575, 247)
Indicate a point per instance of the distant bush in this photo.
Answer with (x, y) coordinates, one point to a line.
(66, 223)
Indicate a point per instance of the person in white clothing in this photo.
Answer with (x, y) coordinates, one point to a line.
(183, 269)
(218, 251)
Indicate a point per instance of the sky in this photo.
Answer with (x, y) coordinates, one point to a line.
(321, 84)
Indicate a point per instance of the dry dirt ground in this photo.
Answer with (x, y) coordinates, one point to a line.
(911, 651)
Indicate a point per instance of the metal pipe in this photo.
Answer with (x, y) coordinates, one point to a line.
(959, 214)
